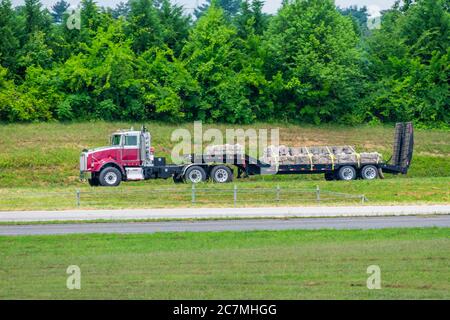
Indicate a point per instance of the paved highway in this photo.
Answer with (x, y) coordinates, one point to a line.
(230, 225)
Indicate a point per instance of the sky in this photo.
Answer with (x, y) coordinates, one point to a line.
(271, 6)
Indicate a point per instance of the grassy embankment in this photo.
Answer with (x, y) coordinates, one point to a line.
(229, 265)
(44, 158)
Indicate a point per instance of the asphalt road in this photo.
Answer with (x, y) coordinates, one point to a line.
(230, 225)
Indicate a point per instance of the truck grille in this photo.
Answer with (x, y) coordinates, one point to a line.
(83, 162)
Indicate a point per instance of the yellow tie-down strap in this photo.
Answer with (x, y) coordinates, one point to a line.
(310, 158)
(332, 157)
(358, 156)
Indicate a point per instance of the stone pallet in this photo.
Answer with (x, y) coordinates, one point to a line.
(225, 150)
(317, 155)
(299, 155)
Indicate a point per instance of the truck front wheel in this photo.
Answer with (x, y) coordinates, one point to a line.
(94, 182)
(110, 177)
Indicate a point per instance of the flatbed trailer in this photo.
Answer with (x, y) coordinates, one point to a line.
(220, 169)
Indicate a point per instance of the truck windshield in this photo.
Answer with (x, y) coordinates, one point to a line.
(115, 140)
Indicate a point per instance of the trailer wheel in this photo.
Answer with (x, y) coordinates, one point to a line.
(221, 174)
(195, 174)
(369, 172)
(347, 173)
(110, 177)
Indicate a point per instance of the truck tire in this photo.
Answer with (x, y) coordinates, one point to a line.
(178, 179)
(110, 177)
(195, 174)
(369, 172)
(94, 182)
(347, 173)
(221, 174)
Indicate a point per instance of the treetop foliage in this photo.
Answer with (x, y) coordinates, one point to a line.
(230, 62)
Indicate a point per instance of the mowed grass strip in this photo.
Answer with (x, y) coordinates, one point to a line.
(318, 264)
(250, 192)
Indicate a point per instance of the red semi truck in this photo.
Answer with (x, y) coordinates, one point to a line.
(130, 157)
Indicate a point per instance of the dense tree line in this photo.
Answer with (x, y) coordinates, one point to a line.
(147, 59)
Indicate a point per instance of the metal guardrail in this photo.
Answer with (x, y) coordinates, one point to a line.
(172, 196)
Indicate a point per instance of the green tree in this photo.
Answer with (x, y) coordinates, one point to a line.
(22, 103)
(174, 25)
(409, 73)
(67, 42)
(259, 17)
(8, 35)
(36, 18)
(313, 61)
(8, 97)
(122, 9)
(230, 7)
(251, 19)
(102, 81)
(36, 52)
(169, 87)
(360, 17)
(36, 27)
(144, 27)
(213, 56)
(90, 15)
(58, 10)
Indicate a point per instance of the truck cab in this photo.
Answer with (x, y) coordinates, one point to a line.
(128, 147)
(121, 160)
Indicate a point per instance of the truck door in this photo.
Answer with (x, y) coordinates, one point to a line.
(130, 152)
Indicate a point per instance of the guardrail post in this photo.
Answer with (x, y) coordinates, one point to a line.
(235, 194)
(363, 199)
(278, 193)
(317, 193)
(193, 193)
(78, 198)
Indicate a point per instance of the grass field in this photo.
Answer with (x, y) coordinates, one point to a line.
(250, 193)
(44, 158)
(229, 265)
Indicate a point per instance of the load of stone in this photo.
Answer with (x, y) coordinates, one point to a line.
(317, 155)
(224, 150)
